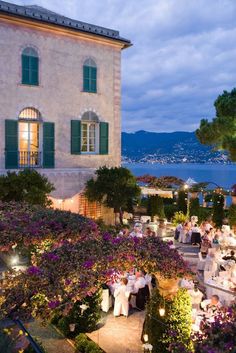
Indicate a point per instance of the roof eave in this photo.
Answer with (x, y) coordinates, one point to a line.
(125, 42)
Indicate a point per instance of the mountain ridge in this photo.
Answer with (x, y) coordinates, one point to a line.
(167, 147)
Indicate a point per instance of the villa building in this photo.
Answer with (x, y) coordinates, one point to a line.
(60, 99)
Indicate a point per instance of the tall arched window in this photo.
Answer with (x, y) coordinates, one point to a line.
(90, 76)
(29, 138)
(30, 67)
(89, 133)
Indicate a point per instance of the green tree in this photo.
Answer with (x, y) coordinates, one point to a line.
(182, 201)
(155, 206)
(174, 326)
(218, 209)
(220, 133)
(194, 207)
(28, 185)
(113, 187)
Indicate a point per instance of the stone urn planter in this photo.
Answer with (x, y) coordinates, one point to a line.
(168, 287)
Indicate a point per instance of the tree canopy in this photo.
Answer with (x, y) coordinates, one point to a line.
(220, 133)
(114, 187)
(27, 185)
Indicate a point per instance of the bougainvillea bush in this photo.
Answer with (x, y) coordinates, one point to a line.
(80, 259)
(218, 336)
(214, 337)
(25, 225)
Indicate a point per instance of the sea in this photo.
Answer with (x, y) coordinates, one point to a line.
(223, 175)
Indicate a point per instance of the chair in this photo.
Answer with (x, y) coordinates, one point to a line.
(201, 262)
(105, 304)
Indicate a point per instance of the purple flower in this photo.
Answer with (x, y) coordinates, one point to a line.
(83, 285)
(106, 236)
(34, 271)
(51, 256)
(88, 264)
(53, 304)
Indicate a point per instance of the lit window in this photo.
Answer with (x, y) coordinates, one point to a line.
(89, 133)
(29, 138)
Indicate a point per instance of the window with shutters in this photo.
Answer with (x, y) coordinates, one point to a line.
(90, 76)
(29, 138)
(89, 133)
(30, 67)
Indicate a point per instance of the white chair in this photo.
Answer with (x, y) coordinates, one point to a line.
(144, 219)
(201, 262)
(105, 304)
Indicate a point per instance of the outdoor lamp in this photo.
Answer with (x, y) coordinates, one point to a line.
(72, 327)
(14, 260)
(185, 186)
(162, 311)
(145, 337)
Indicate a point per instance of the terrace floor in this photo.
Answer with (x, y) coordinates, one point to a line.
(120, 334)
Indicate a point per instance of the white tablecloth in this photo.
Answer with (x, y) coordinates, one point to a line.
(226, 296)
(106, 303)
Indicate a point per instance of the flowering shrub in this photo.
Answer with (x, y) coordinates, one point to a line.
(79, 260)
(171, 332)
(27, 225)
(218, 336)
(161, 182)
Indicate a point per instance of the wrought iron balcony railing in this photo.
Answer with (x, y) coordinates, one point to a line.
(28, 159)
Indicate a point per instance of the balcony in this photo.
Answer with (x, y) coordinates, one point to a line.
(28, 159)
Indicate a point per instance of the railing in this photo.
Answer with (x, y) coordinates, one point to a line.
(28, 159)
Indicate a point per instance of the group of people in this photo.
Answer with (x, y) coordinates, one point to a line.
(130, 291)
(216, 262)
(206, 235)
(142, 230)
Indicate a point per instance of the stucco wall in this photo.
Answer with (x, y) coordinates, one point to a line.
(59, 96)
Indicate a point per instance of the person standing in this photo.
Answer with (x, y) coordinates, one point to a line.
(121, 294)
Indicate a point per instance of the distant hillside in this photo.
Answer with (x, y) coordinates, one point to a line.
(174, 147)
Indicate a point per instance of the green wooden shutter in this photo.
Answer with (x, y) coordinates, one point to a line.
(104, 137)
(75, 136)
(30, 70)
(93, 81)
(48, 145)
(34, 70)
(25, 65)
(11, 144)
(86, 78)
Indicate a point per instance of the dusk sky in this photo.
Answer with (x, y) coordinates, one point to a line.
(183, 57)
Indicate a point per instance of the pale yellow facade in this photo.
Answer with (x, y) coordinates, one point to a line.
(59, 97)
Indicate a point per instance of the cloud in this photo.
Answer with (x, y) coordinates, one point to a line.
(183, 56)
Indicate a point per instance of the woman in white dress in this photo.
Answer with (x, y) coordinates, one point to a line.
(121, 294)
